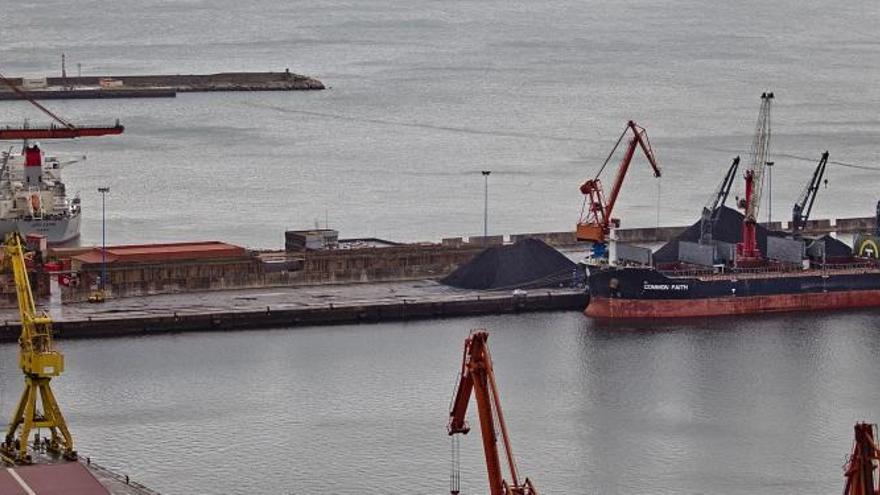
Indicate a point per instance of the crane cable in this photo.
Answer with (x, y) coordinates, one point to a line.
(658, 200)
(833, 162)
(607, 159)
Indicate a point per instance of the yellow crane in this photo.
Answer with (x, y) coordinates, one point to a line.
(40, 360)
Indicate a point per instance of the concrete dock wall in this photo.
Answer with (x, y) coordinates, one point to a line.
(335, 266)
(649, 234)
(143, 279)
(491, 303)
(404, 262)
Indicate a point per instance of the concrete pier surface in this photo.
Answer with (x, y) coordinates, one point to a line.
(274, 307)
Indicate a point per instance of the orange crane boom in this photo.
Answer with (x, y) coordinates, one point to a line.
(859, 470)
(478, 378)
(595, 222)
(55, 132)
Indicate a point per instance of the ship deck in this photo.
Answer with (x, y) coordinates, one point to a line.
(48, 475)
(763, 273)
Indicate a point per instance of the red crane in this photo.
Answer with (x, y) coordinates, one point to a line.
(478, 378)
(595, 222)
(747, 251)
(65, 130)
(859, 470)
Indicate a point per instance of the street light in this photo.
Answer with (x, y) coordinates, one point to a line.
(769, 193)
(486, 206)
(103, 191)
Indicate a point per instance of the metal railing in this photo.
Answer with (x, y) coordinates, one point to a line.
(118, 477)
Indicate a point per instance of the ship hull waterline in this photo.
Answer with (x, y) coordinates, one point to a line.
(731, 305)
(647, 293)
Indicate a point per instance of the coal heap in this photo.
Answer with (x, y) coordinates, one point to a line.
(528, 264)
(835, 248)
(728, 229)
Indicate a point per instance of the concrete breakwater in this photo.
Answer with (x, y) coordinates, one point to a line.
(159, 85)
(332, 313)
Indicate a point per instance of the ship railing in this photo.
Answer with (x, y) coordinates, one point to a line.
(856, 266)
(781, 269)
(121, 478)
(689, 273)
(729, 272)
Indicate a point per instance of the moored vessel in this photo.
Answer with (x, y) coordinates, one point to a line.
(729, 264)
(633, 292)
(33, 198)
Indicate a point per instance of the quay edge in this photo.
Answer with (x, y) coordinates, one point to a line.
(332, 314)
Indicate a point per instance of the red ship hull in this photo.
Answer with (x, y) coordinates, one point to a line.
(600, 307)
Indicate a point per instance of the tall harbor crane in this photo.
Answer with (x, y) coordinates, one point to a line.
(747, 250)
(800, 212)
(860, 467)
(712, 210)
(478, 378)
(595, 221)
(64, 130)
(40, 360)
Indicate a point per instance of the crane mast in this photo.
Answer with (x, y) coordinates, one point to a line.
(478, 378)
(39, 360)
(595, 222)
(712, 210)
(800, 212)
(859, 470)
(747, 250)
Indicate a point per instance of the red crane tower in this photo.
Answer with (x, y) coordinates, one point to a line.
(747, 251)
(859, 470)
(478, 378)
(595, 222)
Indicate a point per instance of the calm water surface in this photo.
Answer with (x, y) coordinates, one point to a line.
(739, 406)
(425, 95)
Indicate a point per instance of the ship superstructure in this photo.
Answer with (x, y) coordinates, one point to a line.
(33, 198)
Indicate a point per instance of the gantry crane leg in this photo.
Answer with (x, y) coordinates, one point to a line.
(27, 417)
(39, 361)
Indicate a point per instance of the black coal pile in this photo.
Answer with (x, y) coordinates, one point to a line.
(728, 229)
(833, 247)
(528, 264)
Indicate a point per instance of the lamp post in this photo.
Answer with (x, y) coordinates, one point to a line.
(769, 193)
(486, 206)
(103, 191)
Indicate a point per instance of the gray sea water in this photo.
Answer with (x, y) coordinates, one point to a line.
(424, 95)
(736, 406)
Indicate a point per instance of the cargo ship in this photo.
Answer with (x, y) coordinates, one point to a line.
(727, 263)
(633, 292)
(33, 198)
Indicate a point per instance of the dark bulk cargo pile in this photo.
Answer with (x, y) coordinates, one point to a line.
(528, 264)
(728, 229)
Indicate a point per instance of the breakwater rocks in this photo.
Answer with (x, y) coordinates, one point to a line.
(157, 85)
